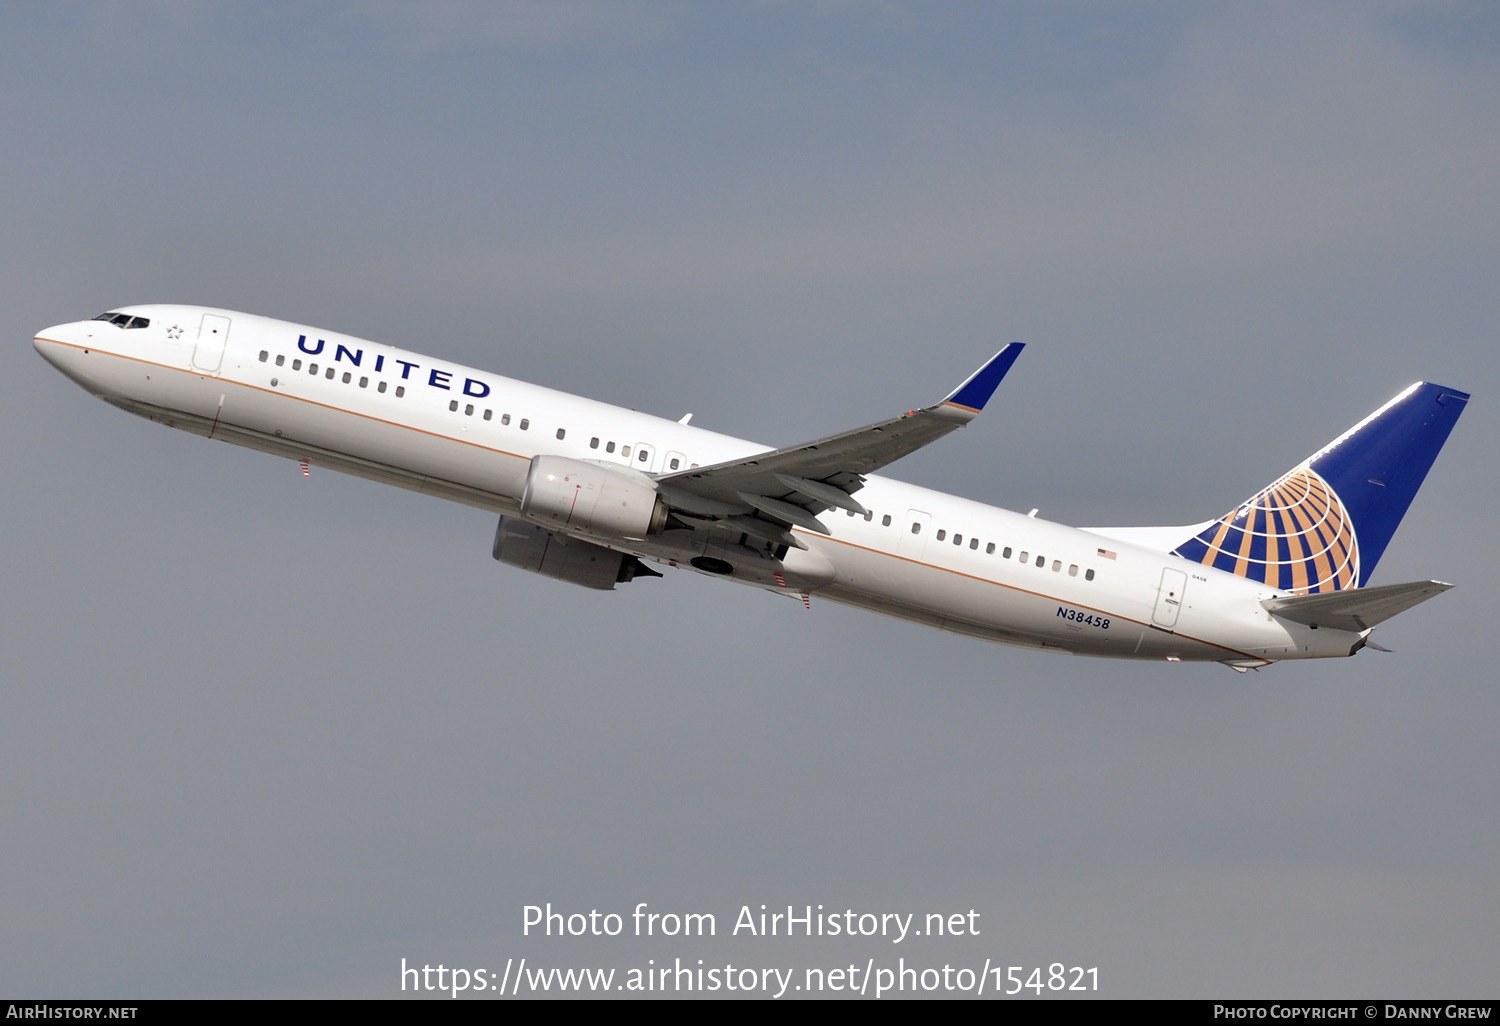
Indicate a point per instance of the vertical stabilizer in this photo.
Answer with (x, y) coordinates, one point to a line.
(1325, 524)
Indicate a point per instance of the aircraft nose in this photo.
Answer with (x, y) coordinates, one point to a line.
(46, 343)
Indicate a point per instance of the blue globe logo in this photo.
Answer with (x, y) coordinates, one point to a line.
(1295, 536)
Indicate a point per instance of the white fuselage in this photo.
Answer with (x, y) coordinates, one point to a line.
(470, 435)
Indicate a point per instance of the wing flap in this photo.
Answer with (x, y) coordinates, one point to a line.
(1354, 609)
(784, 511)
(823, 492)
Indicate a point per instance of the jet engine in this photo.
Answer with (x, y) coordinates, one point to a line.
(568, 559)
(577, 496)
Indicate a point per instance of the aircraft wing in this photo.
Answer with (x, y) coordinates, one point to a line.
(768, 493)
(1354, 609)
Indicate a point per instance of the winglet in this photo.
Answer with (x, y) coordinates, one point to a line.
(979, 386)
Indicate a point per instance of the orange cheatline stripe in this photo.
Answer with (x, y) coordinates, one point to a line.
(1026, 591)
(502, 452)
(286, 395)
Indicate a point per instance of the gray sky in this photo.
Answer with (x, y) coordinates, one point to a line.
(267, 736)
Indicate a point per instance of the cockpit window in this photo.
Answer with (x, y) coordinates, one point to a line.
(124, 320)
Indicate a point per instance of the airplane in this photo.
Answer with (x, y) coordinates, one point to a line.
(600, 496)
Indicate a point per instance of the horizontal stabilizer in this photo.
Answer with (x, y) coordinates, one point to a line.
(1356, 609)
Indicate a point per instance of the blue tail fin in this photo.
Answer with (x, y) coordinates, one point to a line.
(1325, 524)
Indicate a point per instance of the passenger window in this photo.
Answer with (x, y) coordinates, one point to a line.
(296, 365)
(280, 359)
(1088, 575)
(1025, 556)
(1073, 570)
(488, 414)
(264, 356)
(849, 513)
(610, 447)
(989, 550)
(916, 527)
(400, 391)
(869, 516)
(560, 433)
(676, 463)
(331, 373)
(504, 418)
(452, 405)
(469, 410)
(347, 377)
(941, 534)
(974, 544)
(1056, 565)
(594, 442)
(312, 369)
(958, 539)
(625, 451)
(1041, 561)
(885, 521)
(380, 387)
(643, 455)
(364, 382)
(525, 423)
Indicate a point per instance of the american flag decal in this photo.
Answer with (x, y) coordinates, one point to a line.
(1108, 554)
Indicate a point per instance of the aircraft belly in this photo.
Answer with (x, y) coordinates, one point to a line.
(351, 441)
(1223, 595)
(300, 421)
(964, 603)
(366, 436)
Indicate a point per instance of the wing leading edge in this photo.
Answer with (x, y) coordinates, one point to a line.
(767, 494)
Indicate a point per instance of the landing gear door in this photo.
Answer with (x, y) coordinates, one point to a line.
(1169, 598)
(213, 334)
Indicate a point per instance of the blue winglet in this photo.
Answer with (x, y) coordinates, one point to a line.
(977, 389)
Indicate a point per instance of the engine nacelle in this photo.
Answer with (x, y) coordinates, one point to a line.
(568, 559)
(575, 496)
